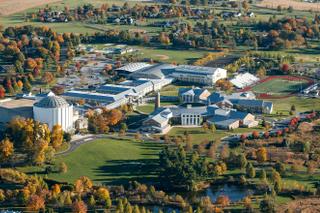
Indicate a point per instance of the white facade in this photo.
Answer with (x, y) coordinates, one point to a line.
(191, 119)
(52, 116)
(199, 75)
(53, 110)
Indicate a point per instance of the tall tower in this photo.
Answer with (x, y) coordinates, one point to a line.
(157, 101)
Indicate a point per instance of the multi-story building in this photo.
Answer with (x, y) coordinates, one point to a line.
(198, 75)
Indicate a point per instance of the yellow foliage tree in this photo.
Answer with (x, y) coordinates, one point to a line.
(6, 149)
(56, 136)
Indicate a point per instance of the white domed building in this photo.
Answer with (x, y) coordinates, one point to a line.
(54, 110)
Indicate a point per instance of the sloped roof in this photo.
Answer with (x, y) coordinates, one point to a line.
(52, 102)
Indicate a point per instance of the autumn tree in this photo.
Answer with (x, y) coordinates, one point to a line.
(137, 136)
(83, 184)
(261, 154)
(63, 168)
(36, 203)
(245, 6)
(47, 78)
(2, 92)
(79, 207)
(225, 152)
(56, 190)
(104, 196)
(6, 149)
(56, 136)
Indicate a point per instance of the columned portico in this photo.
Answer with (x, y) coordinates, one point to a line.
(190, 119)
(188, 98)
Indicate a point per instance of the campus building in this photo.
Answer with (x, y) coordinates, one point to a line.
(193, 95)
(198, 75)
(243, 101)
(53, 110)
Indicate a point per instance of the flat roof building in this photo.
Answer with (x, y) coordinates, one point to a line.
(198, 75)
(11, 108)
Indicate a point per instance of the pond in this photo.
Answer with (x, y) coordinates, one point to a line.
(234, 192)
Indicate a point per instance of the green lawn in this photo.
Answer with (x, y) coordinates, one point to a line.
(111, 162)
(279, 86)
(301, 103)
(198, 135)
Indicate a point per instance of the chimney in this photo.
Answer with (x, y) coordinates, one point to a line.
(157, 103)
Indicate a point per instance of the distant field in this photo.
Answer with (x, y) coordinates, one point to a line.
(8, 7)
(287, 3)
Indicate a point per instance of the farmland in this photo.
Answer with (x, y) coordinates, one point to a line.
(8, 7)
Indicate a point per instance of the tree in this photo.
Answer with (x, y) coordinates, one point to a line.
(263, 176)
(251, 172)
(56, 190)
(224, 154)
(123, 127)
(212, 128)
(47, 78)
(261, 72)
(137, 136)
(56, 136)
(2, 196)
(92, 201)
(6, 149)
(180, 170)
(103, 194)
(223, 200)
(63, 168)
(243, 161)
(212, 152)
(280, 167)
(267, 205)
(136, 209)
(31, 63)
(83, 184)
(245, 6)
(275, 177)
(2, 92)
(36, 203)
(79, 207)
(205, 126)
(261, 154)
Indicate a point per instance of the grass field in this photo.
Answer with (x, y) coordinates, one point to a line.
(111, 162)
(302, 104)
(198, 134)
(279, 86)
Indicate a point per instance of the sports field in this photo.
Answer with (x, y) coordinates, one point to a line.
(279, 86)
(111, 162)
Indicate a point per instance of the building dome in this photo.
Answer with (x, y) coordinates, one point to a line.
(52, 102)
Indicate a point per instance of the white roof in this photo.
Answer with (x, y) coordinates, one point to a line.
(244, 79)
(133, 67)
